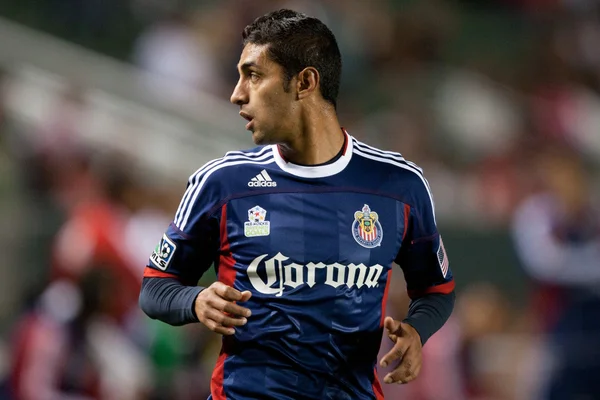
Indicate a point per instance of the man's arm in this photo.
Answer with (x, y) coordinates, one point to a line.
(430, 285)
(186, 251)
(545, 255)
(188, 248)
(179, 260)
(429, 281)
(168, 300)
(429, 313)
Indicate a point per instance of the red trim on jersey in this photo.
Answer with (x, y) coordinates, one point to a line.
(444, 288)
(226, 272)
(377, 389)
(153, 273)
(281, 154)
(216, 383)
(385, 296)
(345, 141)
(406, 215)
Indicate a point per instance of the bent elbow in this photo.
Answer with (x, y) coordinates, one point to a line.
(146, 303)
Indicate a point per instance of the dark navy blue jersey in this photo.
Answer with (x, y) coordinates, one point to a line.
(316, 247)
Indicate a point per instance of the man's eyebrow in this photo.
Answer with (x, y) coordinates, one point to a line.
(247, 65)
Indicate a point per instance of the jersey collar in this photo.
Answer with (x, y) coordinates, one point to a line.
(320, 171)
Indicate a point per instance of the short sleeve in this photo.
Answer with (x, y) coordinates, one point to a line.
(422, 256)
(190, 244)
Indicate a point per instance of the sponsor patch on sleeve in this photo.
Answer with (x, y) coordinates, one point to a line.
(163, 253)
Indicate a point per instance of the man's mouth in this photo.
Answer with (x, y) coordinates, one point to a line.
(248, 118)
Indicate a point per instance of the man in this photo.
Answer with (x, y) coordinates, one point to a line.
(303, 232)
(557, 237)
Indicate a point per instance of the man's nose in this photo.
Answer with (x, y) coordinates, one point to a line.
(239, 95)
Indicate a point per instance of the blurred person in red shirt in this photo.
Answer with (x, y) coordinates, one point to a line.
(93, 194)
(66, 347)
(50, 352)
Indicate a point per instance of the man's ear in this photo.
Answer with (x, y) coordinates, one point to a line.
(307, 82)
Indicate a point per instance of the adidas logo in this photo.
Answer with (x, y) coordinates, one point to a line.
(262, 180)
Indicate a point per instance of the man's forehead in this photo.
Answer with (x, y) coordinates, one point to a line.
(254, 55)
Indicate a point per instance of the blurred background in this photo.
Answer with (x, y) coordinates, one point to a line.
(107, 106)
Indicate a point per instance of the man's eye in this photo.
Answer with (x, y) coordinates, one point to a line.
(253, 76)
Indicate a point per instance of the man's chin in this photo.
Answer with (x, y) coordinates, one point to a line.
(259, 139)
(256, 138)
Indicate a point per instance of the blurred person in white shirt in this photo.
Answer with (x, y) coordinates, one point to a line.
(178, 58)
(557, 238)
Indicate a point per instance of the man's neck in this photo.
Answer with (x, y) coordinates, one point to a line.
(320, 140)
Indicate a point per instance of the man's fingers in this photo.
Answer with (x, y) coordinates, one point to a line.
(229, 321)
(246, 294)
(228, 293)
(224, 331)
(225, 320)
(216, 308)
(235, 310)
(218, 322)
(392, 326)
(216, 327)
(403, 375)
(229, 307)
(397, 353)
(407, 351)
(407, 370)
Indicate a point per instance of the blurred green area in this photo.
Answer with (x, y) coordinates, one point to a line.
(496, 36)
(114, 37)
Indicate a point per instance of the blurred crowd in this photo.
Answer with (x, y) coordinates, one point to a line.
(498, 101)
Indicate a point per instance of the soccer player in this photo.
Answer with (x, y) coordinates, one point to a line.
(303, 232)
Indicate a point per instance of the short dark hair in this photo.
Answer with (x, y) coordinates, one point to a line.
(297, 41)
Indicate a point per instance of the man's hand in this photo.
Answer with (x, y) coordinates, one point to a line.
(407, 350)
(216, 308)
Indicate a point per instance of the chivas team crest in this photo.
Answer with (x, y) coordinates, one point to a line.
(366, 228)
